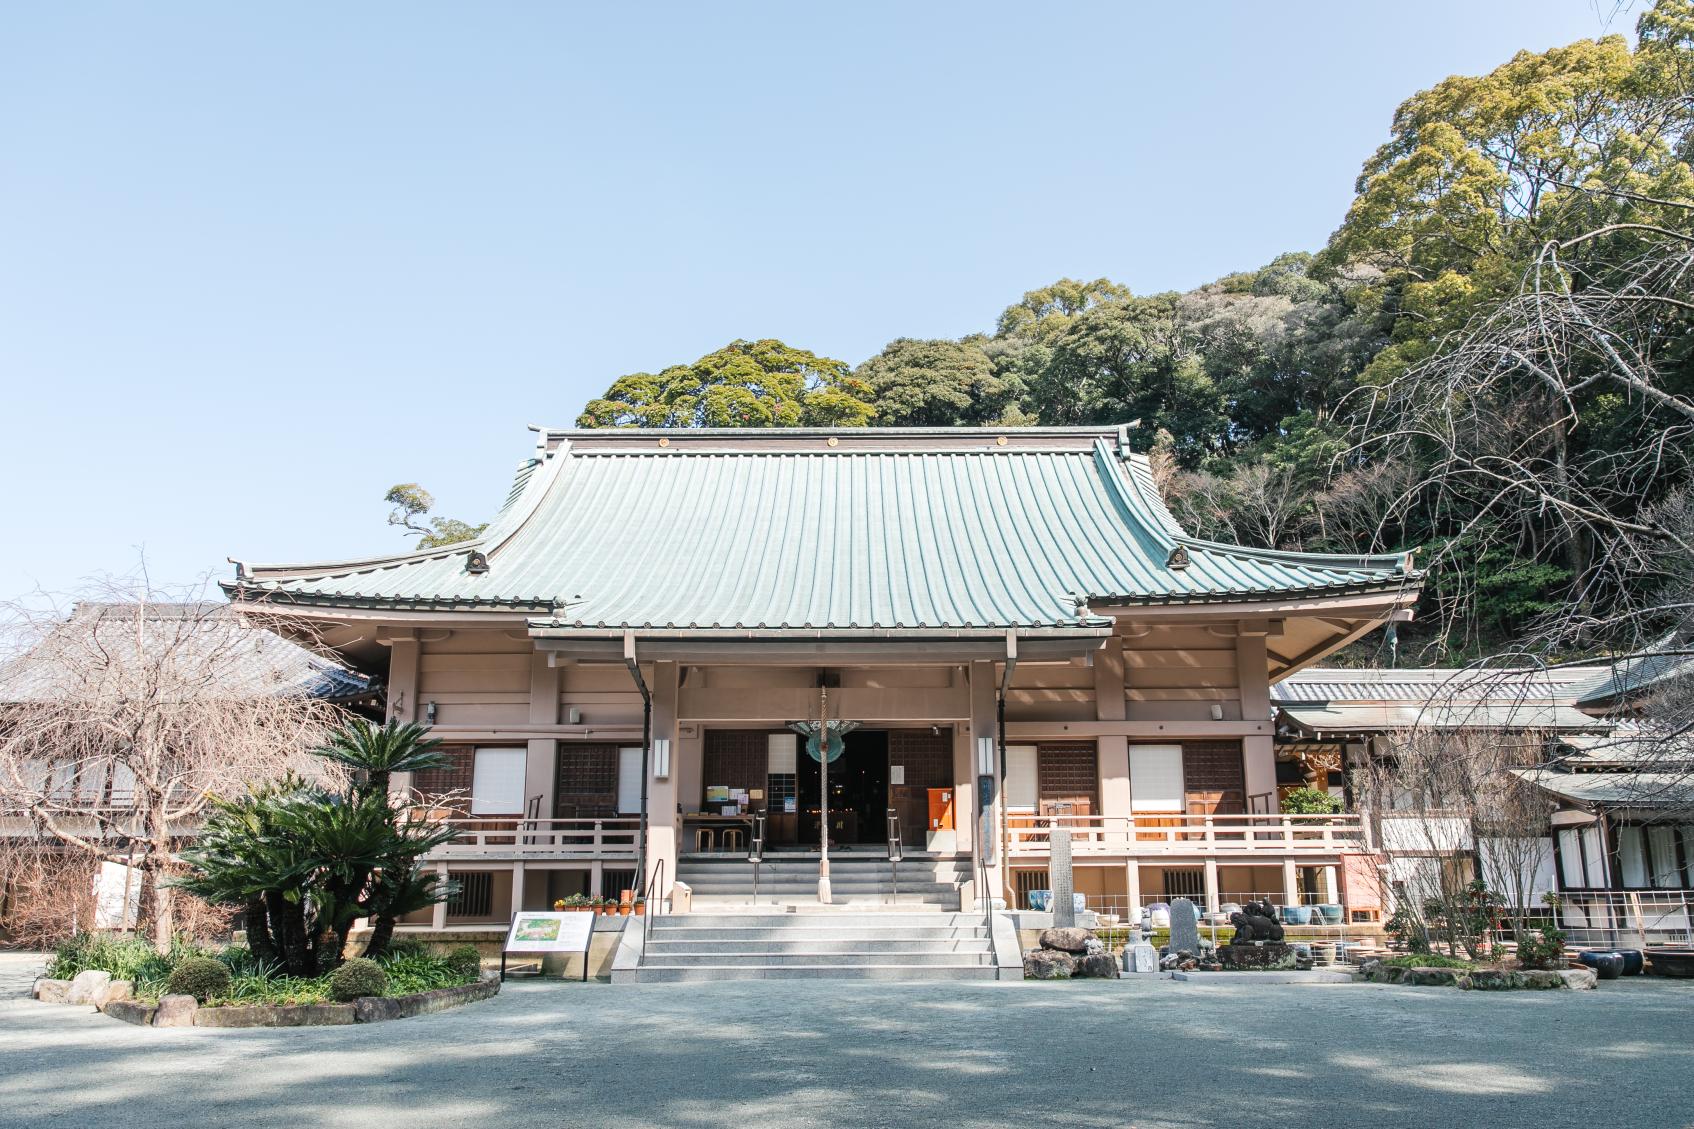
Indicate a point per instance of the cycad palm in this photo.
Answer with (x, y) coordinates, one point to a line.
(376, 752)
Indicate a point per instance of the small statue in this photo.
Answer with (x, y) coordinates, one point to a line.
(1256, 921)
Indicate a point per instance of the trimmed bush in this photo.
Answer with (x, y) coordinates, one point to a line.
(355, 978)
(200, 977)
(465, 960)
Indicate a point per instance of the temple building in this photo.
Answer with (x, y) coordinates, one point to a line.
(999, 630)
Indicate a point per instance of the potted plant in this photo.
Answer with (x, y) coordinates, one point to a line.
(640, 907)
(560, 904)
(625, 906)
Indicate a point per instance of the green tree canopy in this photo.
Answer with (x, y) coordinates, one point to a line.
(937, 384)
(745, 384)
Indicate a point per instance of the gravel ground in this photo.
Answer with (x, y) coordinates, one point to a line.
(824, 1053)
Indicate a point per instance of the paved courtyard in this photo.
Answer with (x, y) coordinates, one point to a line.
(841, 1054)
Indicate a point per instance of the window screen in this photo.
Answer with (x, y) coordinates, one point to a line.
(629, 780)
(1020, 777)
(497, 782)
(1155, 778)
(780, 754)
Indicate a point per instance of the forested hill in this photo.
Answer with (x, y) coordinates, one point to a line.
(1311, 402)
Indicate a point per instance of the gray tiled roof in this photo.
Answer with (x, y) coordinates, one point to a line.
(800, 530)
(249, 659)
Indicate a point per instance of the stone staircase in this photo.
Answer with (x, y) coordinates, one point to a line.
(775, 943)
(855, 879)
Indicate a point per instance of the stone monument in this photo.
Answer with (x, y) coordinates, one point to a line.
(1059, 877)
(1138, 955)
(1185, 927)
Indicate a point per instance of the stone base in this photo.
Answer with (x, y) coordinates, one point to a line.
(1271, 956)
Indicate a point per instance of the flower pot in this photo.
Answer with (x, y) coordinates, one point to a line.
(640, 909)
(625, 909)
(1296, 915)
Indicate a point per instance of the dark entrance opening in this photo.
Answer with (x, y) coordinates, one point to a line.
(858, 792)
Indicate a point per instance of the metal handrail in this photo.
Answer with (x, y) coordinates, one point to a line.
(896, 851)
(652, 904)
(756, 851)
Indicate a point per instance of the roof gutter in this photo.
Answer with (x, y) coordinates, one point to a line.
(646, 760)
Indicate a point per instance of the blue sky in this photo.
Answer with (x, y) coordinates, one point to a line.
(257, 263)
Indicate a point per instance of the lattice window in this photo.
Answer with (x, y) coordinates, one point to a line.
(1214, 777)
(736, 758)
(927, 757)
(1184, 882)
(587, 784)
(453, 776)
(1023, 881)
(475, 895)
(1068, 774)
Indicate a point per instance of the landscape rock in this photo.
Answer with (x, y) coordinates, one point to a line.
(1066, 940)
(1579, 979)
(176, 1011)
(1094, 945)
(115, 991)
(1493, 979)
(88, 986)
(266, 1015)
(1048, 964)
(1540, 980)
(52, 991)
(373, 1009)
(1097, 965)
(1432, 977)
(131, 1011)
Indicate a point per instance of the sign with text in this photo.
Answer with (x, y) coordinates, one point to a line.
(550, 932)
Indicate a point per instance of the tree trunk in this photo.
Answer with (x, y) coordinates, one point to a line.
(260, 942)
(382, 934)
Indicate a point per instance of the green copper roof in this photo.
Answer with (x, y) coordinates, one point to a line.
(879, 530)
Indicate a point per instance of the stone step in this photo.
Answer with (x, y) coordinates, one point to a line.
(705, 973)
(781, 943)
(668, 959)
(777, 919)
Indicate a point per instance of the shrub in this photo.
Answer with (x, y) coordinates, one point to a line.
(1310, 801)
(466, 961)
(1427, 960)
(199, 976)
(1544, 950)
(357, 977)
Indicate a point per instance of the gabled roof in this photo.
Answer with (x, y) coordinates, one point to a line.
(247, 660)
(1663, 790)
(1373, 700)
(800, 530)
(1626, 680)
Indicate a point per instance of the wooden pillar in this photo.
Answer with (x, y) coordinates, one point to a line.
(438, 915)
(517, 886)
(403, 703)
(1290, 882)
(1112, 752)
(1258, 753)
(984, 686)
(1212, 899)
(541, 766)
(663, 821)
(1132, 885)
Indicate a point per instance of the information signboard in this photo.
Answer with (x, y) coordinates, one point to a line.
(549, 931)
